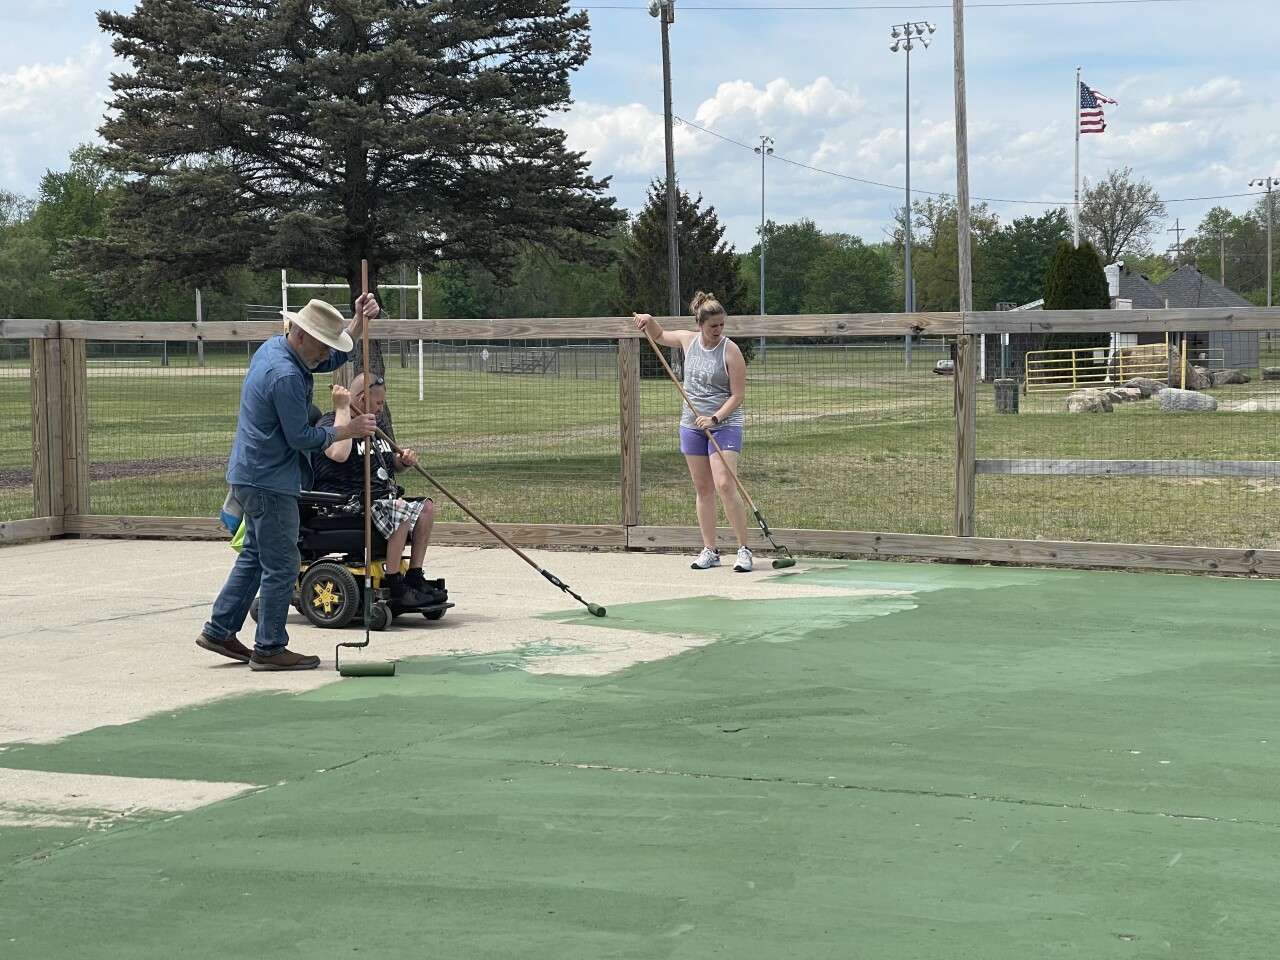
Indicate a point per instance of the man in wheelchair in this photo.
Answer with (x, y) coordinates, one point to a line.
(339, 469)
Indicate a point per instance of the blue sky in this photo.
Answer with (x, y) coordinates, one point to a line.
(1196, 80)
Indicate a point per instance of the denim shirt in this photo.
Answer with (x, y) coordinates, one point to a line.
(274, 439)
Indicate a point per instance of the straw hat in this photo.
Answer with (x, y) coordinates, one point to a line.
(323, 321)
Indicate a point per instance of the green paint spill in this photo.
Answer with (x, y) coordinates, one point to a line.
(921, 577)
(753, 621)
(517, 659)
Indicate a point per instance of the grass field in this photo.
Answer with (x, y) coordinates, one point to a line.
(837, 438)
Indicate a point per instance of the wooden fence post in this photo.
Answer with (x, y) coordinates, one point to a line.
(59, 429)
(966, 433)
(629, 427)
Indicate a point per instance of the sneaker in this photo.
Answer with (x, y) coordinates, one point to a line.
(744, 561)
(284, 660)
(230, 647)
(403, 595)
(707, 559)
(433, 590)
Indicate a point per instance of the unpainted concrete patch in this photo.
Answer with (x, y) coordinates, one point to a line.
(40, 798)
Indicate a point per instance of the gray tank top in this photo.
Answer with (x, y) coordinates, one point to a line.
(706, 381)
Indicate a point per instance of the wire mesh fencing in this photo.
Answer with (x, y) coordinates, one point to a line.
(856, 433)
(17, 495)
(837, 436)
(1122, 463)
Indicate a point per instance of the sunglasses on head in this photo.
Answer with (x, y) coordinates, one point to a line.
(375, 382)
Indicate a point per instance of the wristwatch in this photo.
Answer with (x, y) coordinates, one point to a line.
(715, 420)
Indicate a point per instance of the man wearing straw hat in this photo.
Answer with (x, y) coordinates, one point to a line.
(270, 463)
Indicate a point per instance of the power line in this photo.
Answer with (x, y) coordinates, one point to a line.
(937, 193)
(843, 8)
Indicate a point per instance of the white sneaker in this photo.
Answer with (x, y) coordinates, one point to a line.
(707, 559)
(744, 561)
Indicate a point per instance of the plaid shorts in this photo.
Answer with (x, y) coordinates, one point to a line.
(389, 513)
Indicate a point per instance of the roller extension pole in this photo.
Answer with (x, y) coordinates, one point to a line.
(593, 608)
(365, 669)
(788, 560)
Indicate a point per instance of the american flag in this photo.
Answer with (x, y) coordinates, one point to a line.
(1091, 119)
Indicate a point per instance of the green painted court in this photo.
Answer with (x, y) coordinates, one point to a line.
(897, 761)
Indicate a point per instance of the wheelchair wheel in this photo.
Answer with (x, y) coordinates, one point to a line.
(330, 595)
(379, 617)
(433, 614)
(253, 610)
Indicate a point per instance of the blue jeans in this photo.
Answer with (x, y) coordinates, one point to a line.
(267, 568)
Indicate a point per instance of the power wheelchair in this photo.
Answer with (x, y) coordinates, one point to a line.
(330, 587)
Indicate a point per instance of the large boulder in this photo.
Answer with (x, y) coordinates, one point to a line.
(1229, 376)
(1271, 373)
(1125, 362)
(1148, 388)
(1173, 400)
(1088, 401)
(1197, 377)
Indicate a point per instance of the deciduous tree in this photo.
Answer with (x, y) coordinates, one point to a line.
(1119, 214)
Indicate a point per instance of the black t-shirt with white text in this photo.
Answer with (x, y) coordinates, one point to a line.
(347, 478)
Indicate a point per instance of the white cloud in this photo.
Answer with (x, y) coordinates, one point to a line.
(47, 110)
(1217, 96)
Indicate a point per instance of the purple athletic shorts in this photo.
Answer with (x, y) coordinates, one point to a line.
(694, 442)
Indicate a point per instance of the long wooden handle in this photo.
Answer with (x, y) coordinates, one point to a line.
(368, 441)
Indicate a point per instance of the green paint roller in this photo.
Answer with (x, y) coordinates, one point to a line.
(372, 669)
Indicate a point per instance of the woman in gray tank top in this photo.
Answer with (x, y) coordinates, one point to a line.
(715, 380)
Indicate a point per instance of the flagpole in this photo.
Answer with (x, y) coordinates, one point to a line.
(1076, 231)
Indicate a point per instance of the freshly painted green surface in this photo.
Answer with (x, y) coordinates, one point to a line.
(987, 763)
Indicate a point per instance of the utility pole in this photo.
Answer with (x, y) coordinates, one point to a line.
(1268, 182)
(1178, 231)
(665, 11)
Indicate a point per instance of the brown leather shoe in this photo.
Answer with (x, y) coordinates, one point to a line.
(284, 660)
(230, 647)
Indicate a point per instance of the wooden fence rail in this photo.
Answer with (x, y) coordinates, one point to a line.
(60, 462)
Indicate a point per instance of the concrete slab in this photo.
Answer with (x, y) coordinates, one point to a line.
(875, 759)
(102, 632)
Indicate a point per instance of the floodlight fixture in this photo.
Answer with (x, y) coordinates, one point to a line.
(904, 38)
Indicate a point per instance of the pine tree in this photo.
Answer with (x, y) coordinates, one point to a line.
(707, 263)
(1075, 281)
(314, 135)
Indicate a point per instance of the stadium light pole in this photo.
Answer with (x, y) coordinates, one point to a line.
(1267, 182)
(765, 150)
(905, 38)
(665, 11)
